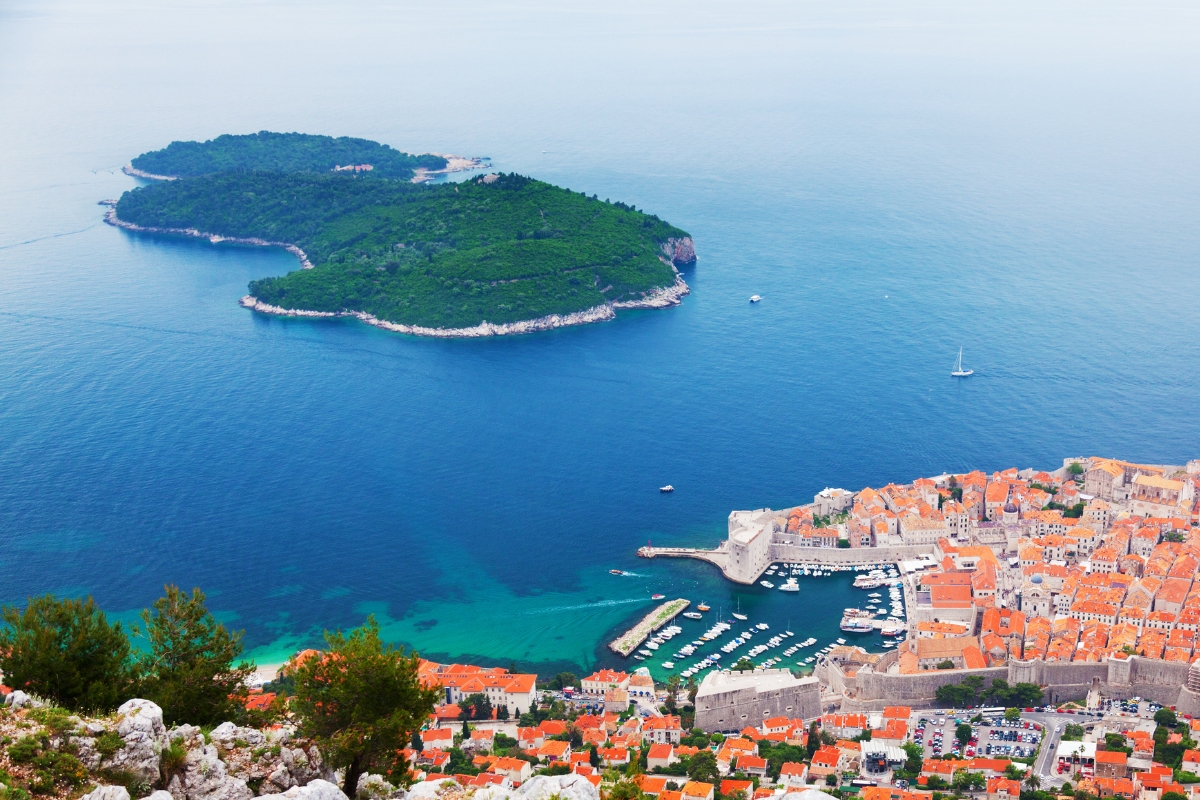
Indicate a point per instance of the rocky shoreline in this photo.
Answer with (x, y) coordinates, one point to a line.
(678, 251)
(131, 170)
(660, 298)
(421, 175)
(111, 218)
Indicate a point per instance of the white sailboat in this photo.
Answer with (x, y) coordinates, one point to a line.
(959, 372)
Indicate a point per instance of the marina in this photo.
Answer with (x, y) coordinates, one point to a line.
(627, 643)
(876, 622)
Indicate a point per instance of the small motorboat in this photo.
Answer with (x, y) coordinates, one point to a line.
(657, 596)
(666, 489)
(615, 572)
(693, 615)
(703, 607)
(767, 584)
(754, 298)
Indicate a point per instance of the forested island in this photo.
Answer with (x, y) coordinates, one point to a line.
(282, 152)
(500, 253)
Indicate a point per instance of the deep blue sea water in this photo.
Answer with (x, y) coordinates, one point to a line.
(896, 180)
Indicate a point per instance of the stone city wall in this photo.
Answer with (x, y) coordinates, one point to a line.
(923, 686)
(836, 556)
(1160, 681)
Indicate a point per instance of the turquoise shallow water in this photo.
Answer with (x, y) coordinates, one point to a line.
(896, 180)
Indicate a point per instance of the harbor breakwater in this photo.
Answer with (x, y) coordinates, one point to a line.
(721, 557)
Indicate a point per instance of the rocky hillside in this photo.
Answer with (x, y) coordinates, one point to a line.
(50, 753)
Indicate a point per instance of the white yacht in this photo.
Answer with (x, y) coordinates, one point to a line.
(958, 372)
(790, 586)
(754, 298)
(767, 584)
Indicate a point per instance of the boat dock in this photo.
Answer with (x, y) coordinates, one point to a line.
(877, 624)
(633, 638)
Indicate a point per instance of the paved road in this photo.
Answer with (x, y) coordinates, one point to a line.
(1045, 767)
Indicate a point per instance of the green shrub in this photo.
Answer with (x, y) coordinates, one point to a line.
(108, 743)
(136, 787)
(54, 719)
(173, 758)
(25, 750)
(13, 793)
(69, 770)
(42, 783)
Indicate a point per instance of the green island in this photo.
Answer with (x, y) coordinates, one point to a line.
(500, 253)
(282, 152)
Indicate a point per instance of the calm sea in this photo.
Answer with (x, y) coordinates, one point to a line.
(896, 179)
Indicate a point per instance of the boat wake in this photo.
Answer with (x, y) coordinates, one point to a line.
(582, 606)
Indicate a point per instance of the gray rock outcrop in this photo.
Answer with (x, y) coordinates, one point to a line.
(204, 777)
(376, 787)
(315, 790)
(107, 793)
(140, 726)
(228, 735)
(567, 787)
(18, 699)
(431, 788)
(494, 793)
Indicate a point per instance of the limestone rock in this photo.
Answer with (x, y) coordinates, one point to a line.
(375, 787)
(681, 251)
(143, 716)
(568, 787)
(18, 699)
(107, 793)
(205, 778)
(494, 793)
(268, 763)
(315, 790)
(431, 788)
(807, 794)
(160, 795)
(278, 781)
(227, 734)
(141, 726)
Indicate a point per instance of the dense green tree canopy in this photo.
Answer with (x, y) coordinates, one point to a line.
(66, 651)
(446, 255)
(361, 701)
(282, 152)
(189, 665)
(500, 248)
